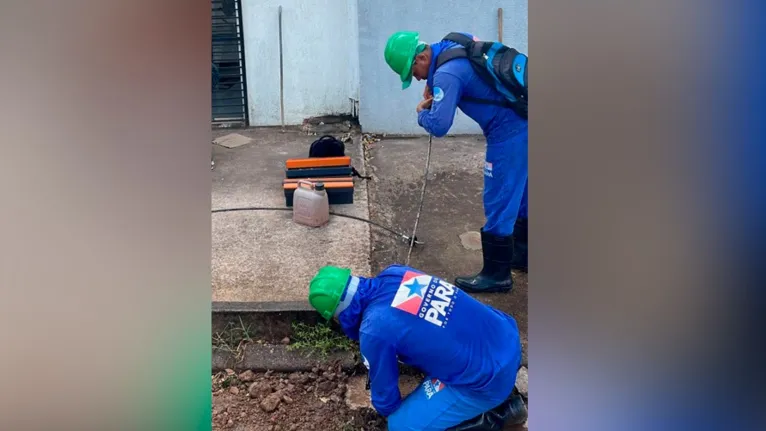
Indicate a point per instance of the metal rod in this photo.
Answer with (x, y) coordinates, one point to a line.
(422, 198)
(281, 73)
(500, 25)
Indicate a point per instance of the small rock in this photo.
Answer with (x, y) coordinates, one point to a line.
(287, 399)
(247, 376)
(522, 381)
(315, 370)
(234, 390)
(290, 387)
(293, 427)
(295, 377)
(230, 422)
(258, 389)
(243, 414)
(329, 376)
(286, 340)
(271, 402)
(312, 376)
(335, 398)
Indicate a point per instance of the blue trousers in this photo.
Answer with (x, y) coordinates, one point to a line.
(434, 406)
(505, 183)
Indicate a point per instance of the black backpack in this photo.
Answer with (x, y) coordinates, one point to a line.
(501, 67)
(329, 146)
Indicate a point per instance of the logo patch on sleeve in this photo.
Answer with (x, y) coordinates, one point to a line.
(426, 297)
(438, 94)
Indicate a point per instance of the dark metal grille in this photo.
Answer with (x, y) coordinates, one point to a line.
(228, 68)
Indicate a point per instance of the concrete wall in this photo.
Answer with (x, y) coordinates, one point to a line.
(320, 45)
(384, 107)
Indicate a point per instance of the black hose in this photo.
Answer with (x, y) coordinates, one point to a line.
(403, 236)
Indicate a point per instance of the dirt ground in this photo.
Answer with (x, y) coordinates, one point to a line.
(316, 400)
(288, 402)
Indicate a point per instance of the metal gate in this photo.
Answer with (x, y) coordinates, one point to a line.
(228, 68)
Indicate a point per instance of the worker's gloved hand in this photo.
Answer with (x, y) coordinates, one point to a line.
(425, 104)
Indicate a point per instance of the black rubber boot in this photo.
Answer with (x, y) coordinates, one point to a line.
(520, 245)
(512, 411)
(495, 276)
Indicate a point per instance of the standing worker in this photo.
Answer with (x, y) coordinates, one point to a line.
(470, 351)
(456, 84)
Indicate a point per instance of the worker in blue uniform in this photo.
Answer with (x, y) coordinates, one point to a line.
(452, 86)
(469, 351)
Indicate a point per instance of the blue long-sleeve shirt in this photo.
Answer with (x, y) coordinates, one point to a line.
(454, 80)
(425, 322)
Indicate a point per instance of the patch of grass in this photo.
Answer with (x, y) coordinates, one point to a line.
(320, 340)
(233, 339)
(229, 381)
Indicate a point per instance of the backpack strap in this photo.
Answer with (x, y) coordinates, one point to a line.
(459, 39)
(453, 53)
(450, 54)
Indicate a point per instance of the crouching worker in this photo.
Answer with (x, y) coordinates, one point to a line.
(470, 352)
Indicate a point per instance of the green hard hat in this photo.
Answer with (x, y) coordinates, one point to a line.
(326, 289)
(401, 49)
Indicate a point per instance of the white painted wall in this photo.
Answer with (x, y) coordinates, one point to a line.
(321, 63)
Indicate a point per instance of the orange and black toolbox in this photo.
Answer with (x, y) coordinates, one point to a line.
(335, 172)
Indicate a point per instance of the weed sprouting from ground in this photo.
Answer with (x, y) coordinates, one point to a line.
(320, 340)
(233, 339)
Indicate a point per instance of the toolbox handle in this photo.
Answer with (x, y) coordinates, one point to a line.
(301, 183)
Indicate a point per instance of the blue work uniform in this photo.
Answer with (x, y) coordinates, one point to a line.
(505, 166)
(470, 351)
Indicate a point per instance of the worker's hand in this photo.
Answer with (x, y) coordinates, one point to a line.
(425, 104)
(427, 92)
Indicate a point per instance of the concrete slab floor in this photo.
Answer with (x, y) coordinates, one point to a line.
(262, 256)
(452, 207)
